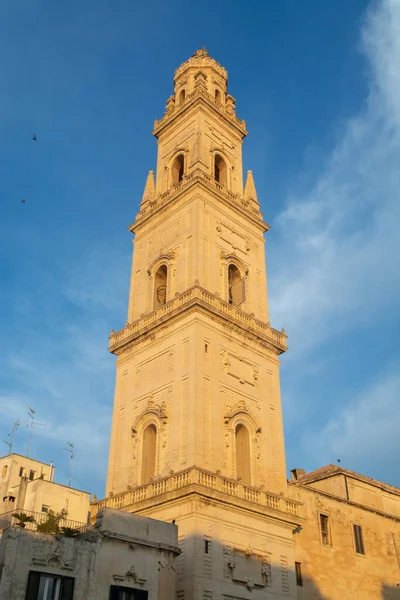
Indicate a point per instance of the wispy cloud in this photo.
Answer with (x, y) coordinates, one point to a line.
(337, 268)
(336, 265)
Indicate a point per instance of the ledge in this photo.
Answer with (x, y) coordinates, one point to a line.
(247, 208)
(195, 479)
(196, 295)
(200, 93)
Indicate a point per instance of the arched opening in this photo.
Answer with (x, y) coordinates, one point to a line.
(178, 169)
(218, 96)
(160, 286)
(235, 286)
(243, 454)
(182, 96)
(149, 453)
(220, 170)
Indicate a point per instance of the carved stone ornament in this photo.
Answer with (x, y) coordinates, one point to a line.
(59, 556)
(129, 575)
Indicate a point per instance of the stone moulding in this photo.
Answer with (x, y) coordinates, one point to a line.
(196, 295)
(200, 94)
(195, 477)
(200, 177)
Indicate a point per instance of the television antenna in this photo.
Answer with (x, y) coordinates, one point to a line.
(11, 435)
(31, 415)
(70, 449)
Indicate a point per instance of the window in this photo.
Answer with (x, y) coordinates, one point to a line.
(149, 453)
(45, 586)
(21, 471)
(325, 533)
(242, 453)
(123, 593)
(4, 471)
(178, 169)
(160, 286)
(218, 96)
(182, 96)
(207, 547)
(358, 539)
(236, 286)
(31, 475)
(299, 578)
(220, 170)
(45, 509)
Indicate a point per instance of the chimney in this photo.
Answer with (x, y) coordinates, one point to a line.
(297, 474)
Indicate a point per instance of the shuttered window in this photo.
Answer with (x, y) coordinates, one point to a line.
(123, 593)
(358, 539)
(46, 586)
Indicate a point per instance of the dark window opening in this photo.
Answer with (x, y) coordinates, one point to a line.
(178, 169)
(358, 539)
(182, 96)
(45, 509)
(218, 96)
(325, 536)
(205, 348)
(31, 475)
(160, 286)
(299, 578)
(236, 286)
(21, 471)
(207, 547)
(45, 586)
(220, 170)
(124, 593)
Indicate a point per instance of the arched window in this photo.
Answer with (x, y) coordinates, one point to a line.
(218, 96)
(220, 170)
(160, 286)
(242, 454)
(149, 453)
(182, 96)
(236, 286)
(178, 168)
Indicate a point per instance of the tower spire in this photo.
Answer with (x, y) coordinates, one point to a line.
(149, 190)
(250, 193)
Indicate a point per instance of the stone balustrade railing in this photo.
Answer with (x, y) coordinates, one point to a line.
(202, 478)
(228, 113)
(200, 175)
(193, 294)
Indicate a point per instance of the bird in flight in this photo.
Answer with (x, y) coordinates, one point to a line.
(34, 137)
(23, 201)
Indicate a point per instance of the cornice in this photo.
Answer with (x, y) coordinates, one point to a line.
(207, 183)
(196, 298)
(199, 95)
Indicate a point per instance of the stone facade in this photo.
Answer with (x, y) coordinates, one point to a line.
(121, 550)
(341, 563)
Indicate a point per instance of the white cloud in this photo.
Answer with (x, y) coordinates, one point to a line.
(335, 263)
(364, 431)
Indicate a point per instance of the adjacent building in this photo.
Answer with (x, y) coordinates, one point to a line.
(27, 485)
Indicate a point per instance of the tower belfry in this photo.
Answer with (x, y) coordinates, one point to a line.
(197, 433)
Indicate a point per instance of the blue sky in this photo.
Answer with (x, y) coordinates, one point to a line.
(318, 84)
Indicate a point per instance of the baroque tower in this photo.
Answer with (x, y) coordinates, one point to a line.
(197, 434)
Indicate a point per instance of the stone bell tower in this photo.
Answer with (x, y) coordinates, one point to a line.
(197, 432)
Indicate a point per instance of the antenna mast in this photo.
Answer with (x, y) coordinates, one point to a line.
(31, 415)
(11, 435)
(70, 449)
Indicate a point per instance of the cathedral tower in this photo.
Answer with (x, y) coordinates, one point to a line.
(197, 432)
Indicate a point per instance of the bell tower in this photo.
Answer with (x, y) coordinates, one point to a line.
(197, 433)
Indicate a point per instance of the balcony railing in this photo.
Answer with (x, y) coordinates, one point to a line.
(193, 294)
(7, 520)
(204, 479)
(199, 175)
